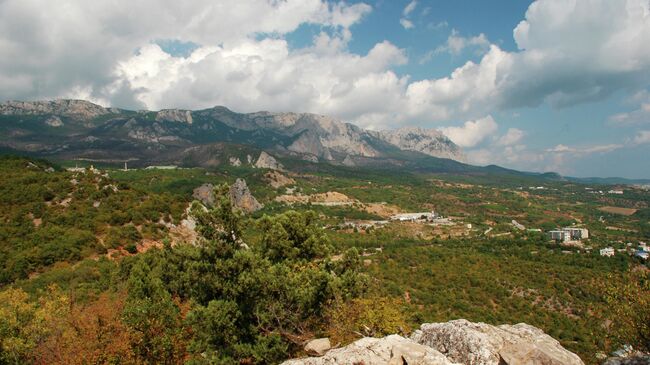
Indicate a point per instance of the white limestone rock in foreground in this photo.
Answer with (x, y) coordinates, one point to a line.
(483, 344)
(390, 350)
(453, 342)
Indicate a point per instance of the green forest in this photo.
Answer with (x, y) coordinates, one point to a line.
(79, 284)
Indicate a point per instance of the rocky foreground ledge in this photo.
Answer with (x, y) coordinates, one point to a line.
(454, 342)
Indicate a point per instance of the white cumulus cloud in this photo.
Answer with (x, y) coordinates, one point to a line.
(471, 132)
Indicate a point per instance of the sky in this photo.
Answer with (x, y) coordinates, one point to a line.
(545, 85)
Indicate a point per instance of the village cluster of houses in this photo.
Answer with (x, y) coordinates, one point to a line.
(642, 251)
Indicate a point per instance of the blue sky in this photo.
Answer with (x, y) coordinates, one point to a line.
(545, 85)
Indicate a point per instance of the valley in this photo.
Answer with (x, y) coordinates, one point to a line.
(85, 231)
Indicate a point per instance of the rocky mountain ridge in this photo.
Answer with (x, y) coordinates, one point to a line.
(309, 136)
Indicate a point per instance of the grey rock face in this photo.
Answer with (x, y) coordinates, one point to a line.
(241, 197)
(266, 161)
(483, 344)
(77, 109)
(204, 194)
(392, 350)
(174, 115)
(428, 141)
(456, 342)
(323, 136)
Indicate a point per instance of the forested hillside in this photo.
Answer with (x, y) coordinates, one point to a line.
(97, 265)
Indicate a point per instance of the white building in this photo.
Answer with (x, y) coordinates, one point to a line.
(412, 217)
(618, 192)
(577, 233)
(569, 234)
(607, 251)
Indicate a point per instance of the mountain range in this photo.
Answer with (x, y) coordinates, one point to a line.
(80, 129)
(76, 129)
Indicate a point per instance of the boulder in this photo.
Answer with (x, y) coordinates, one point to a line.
(266, 161)
(318, 346)
(483, 344)
(391, 350)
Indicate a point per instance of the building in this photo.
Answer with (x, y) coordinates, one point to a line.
(618, 192)
(569, 234)
(577, 233)
(607, 251)
(412, 217)
(560, 235)
(642, 254)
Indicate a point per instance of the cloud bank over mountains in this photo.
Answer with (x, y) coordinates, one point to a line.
(569, 52)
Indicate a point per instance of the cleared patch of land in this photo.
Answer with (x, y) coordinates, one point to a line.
(617, 210)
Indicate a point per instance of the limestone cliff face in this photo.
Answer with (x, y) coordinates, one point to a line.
(304, 135)
(454, 342)
(76, 109)
(428, 141)
(174, 115)
(324, 136)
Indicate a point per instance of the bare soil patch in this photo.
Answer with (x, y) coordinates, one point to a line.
(617, 210)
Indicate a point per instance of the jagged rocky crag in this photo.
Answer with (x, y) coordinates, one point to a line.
(80, 129)
(454, 342)
(240, 196)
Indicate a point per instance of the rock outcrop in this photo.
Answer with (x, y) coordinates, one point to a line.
(54, 121)
(242, 198)
(428, 141)
(234, 161)
(454, 342)
(76, 109)
(348, 161)
(277, 180)
(391, 350)
(318, 346)
(266, 161)
(479, 343)
(174, 115)
(204, 194)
